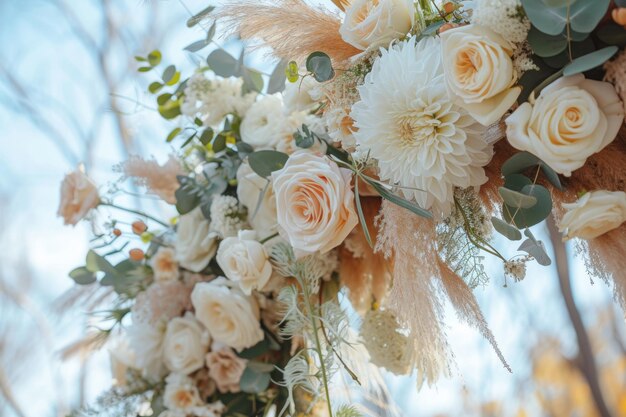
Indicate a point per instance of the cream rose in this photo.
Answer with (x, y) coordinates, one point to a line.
(225, 368)
(250, 186)
(181, 394)
(195, 244)
(245, 261)
(572, 119)
(262, 126)
(594, 214)
(315, 204)
(165, 265)
(231, 317)
(374, 23)
(479, 72)
(78, 196)
(185, 345)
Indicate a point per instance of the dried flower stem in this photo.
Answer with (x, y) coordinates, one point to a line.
(137, 212)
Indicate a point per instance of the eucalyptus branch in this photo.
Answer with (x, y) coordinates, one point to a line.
(137, 212)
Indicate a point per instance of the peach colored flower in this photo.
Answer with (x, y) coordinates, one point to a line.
(225, 368)
(78, 196)
(158, 179)
(315, 204)
(165, 265)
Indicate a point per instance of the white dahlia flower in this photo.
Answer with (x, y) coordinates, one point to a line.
(407, 122)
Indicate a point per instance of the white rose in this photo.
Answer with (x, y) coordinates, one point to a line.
(315, 204)
(374, 23)
(185, 345)
(261, 127)
(594, 214)
(297, 96)
(225, 368)
(78, 196)
(231, 317)
(250, 186)
(245, 261)
(479, 72)
(181, 394)
(572, 119)
(195, 244)
(146, 342)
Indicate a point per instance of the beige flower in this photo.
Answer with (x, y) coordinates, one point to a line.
(594, 214)
(181, 394)
(165, 265)
(315, 204)
(245, 261)
(158, 179)
(122, 358)
(374, 23)
(231, 317)
(226, 369)
(572, 119)
(196, 244)
(257, 194)
(479, 72)
(185, 345)
(78, 196)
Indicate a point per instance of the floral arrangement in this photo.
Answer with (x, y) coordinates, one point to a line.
(374, 180)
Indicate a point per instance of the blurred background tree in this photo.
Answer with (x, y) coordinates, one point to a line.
(70, 93)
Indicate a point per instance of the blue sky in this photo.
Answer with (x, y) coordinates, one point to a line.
(39, 49)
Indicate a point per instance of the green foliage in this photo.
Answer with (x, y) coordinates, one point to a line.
(523, 218)
(277, 78)
(83, 276)
(521, 161)
(223, 63)
(291, 72)
(265, 162)
(552, 18)
(516, 199)
(505, 229)
(305, 138)
(320, 65)
(203, 43)
(590, 61)
(535, 248)
(388, 195)
(197, 18)
(348, 411)
(256, 377)
(612, 34)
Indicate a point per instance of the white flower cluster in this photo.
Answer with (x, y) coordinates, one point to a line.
(227, 218)
(504, 17)
(212, 100)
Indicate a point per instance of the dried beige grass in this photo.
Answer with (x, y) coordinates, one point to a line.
(367, 277)
(414, 297)
(292, 28)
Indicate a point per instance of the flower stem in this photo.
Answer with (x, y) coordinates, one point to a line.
(137, 212)
(318, 344)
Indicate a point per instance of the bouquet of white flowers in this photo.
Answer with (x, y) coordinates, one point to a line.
(408, 132)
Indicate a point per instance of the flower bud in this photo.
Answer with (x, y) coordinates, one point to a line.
(136, 255)
(139, 227)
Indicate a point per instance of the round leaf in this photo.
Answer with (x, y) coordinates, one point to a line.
(550, 20)
(320, 65)
(524, 218)
(516, 199)
(585, 14)
(546, 45)
(505, 229)
(222, 63)
(266, 162)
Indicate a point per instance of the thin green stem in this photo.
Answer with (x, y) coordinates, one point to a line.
(137, 212)
(569, 34)
(318, 344)
(267, 239)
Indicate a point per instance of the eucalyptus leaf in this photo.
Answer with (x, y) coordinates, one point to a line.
(590, 61)
(223, 63)
(359, 210)
(173, 134)
(388, 195)
(585, 15)
(197, 46)
(168, 73)
(219, 144)
(207, 136)
(154, 58)
(546, 45)
(519, 162)
(549, 20)
(163, 98)
(155, 87)
(320, 65)
(516, 182)
(612, 34)
(211, 33)
(83, 276)
(535, 248)
(277, 78)
(505, 229)
(265, 162)
(170, 110)
(255, 351)
(253, 80)
(517, 199)
(253, 382)
(524, 218)
(197, 18)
